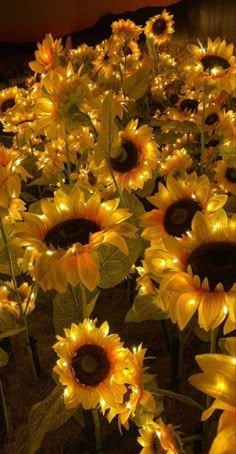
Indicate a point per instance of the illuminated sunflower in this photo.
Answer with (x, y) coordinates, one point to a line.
(186, 107)
(126, 30)
(8, 99)
(8, 300)
(177, 202)
(225, 176)
(213, 117)
(68, 234)
(199, 273)
(135, 395)
(82, 57)
(212, 65)
(137, 159)
(106, 59)
(218, 380)
(157, 437)
(160, 27)
(62, 102)
(92, 365)
(47, 55)
(174, 161)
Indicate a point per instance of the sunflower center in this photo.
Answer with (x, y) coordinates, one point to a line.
(211, 119)
(156, 447)
(7, 104)
(91, 365)
(217, 262)
(127, 159)
(178, 216)
(159, 26)
(213, 61)
(71, 231)
(189, 104)
(231, 174)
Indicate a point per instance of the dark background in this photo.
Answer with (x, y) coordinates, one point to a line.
(193, 19)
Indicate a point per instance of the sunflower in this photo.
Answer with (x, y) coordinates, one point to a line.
(199, 273)
(92, 365)
(157, 437)
(135, 395)
(212, 65)
(8, 99)
(8, 301)
(126, 30)
(186, 107)
(61, 102)
(218, 381)
(177, 202)
(174, 161)
(68, 234)
(48, 55)
(160, 27)
(136, 161)
(106, 59)
(225, 176)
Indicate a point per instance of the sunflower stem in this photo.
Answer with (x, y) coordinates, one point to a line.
(68, 163)
(213, 344)
(84, 301)
(115, 183)
(23, 320)
(97, 429)
(182, 398)
(203, 129)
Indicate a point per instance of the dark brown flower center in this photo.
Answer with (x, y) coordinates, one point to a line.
(159, 26)
(211, 119)
(178, 216)
(91, 365)
(217, 262)
(230, 174)
(66, 233)
(189, 105)
(156, 447)
(213, 61)
(7, 104)
(127, 159)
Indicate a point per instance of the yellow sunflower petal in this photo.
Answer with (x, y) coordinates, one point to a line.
(215, 385)
(225, 442)
(88, 271)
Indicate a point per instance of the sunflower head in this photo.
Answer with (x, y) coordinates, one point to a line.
(159, 27)
(91, 365)
(47, 55)
(214, 64)
(225, 176)
(159, 438)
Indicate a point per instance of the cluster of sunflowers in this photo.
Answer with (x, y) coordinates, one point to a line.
(118, 162)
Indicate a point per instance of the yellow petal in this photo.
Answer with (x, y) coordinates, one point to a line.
(88, 271)
(215, 385)
(225, 442)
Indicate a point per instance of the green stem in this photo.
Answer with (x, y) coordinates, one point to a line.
(68, 163)
(97, 429)
(186, 400)
(203, 129)
(115, 183)
(213, 343)
(23, 319)
(84, 301)
(12, 272)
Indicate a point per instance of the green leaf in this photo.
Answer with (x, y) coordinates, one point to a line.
(114, 265)
(183, 126)
(136, 85)
(145, 307)
(44, 181)
(4, 358)
(45, 416)
(152, 51)
(16, 253)
(11, 331)
(108, 140)
(67, 309)
(134, 205)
